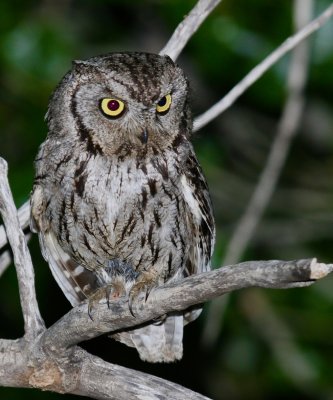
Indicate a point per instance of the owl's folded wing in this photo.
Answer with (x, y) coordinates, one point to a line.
(196, 195)
(76, 282)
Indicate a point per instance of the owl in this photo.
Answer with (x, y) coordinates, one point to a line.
(119, 199)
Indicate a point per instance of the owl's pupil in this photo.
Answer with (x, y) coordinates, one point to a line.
(162, 102)
(113, 105)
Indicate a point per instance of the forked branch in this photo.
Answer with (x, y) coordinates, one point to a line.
(33, 322)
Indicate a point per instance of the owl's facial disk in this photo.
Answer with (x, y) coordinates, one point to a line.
(114, 117)
(124, 99)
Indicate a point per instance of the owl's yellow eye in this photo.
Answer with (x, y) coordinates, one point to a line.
(112, 107)
(164, 104)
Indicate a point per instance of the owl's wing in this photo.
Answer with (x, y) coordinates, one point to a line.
(76, 282)
(196, 195)
(195, 192)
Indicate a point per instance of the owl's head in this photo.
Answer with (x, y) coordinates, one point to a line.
(123, 100)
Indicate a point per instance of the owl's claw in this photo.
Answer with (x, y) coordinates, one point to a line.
(130, 301)
(107, 295)
(137, 289)
(90, 310)
(111, 291)
(144, 285)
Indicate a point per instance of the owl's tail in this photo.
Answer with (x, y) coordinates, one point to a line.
(157, 342)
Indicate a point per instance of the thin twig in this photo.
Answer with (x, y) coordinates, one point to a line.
(186, 29)
(260, 69)
(5, 260)
(23, 216)
(6, 256)
(262, 194)
(33, 323)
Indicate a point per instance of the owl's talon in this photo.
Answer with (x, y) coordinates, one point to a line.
(134, 294)
(110, 291)
(130, 306)
(149, 288)
(90, 311)
(144, 285)
(108, 294)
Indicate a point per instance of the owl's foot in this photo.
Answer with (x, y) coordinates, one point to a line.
(109, 292)
(146, 281)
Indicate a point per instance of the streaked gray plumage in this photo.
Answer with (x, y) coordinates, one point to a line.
(119, 198)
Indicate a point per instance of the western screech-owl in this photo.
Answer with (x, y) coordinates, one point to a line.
(119, 198)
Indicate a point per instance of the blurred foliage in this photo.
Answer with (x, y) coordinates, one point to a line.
(272, 343)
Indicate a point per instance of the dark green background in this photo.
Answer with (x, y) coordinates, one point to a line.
(38, 40)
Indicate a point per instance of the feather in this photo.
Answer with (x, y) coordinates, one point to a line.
(157, 343)
(76, 282)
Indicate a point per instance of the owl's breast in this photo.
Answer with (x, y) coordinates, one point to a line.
(129, 210)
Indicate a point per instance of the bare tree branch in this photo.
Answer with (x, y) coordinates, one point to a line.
(54, 362)
(76, 325)
(260, 69)
(6, 257)
(187, 28)
(5, 260)
(78, 372)
(33, 322)
(24, 217)
(126, 384)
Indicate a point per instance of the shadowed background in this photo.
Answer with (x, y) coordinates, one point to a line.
(271, 343)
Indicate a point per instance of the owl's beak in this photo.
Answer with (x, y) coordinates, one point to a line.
(144, 136)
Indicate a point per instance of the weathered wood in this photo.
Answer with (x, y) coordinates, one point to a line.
(33, 322)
